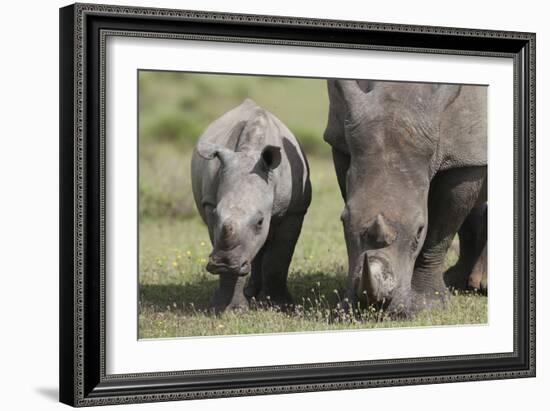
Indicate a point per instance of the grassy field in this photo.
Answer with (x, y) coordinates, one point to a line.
(174, 286)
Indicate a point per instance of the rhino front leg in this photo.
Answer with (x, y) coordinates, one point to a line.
(277, 257)
(230, 294)
(454, 193)
(254, 284)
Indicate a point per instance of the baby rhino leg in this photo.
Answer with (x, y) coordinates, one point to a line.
(230, 294)
(278, 253)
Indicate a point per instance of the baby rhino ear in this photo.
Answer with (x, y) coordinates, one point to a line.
(271, 157)
(209, 151)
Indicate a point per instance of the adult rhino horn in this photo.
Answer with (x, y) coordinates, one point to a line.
(209, 151)
(352, 94)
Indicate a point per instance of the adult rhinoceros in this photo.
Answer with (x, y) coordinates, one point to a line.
(251, 186)
(411, 162)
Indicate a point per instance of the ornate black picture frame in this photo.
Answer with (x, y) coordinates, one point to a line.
(83, 30)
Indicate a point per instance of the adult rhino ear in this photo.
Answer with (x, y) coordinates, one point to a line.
(209, 151)
(353, 94)
(271, 157)
(444, 95)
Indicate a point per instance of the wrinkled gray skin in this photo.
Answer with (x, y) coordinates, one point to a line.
(251, 186)
(411, 163)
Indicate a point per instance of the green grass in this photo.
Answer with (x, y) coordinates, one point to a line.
(177, 322)
(175, 288)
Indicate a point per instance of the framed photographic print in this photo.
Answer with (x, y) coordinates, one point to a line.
(261, 204)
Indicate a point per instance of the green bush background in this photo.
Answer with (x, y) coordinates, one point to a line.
(174, 109)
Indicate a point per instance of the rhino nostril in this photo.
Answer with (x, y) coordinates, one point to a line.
(245, 268)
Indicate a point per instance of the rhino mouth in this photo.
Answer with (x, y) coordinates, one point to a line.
(219, 268)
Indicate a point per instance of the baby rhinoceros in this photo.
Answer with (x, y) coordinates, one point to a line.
(251, 186)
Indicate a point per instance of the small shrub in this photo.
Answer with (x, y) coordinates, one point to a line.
(174, 126)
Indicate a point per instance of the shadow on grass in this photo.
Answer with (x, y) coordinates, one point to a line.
(306, 288)
(316, 287)
(182, 297)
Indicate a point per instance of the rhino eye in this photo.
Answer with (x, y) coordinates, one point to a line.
(260, 222)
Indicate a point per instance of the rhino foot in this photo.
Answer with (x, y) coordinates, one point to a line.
(456, 277)
(230, 295)
(280, 299)
(220, 305)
